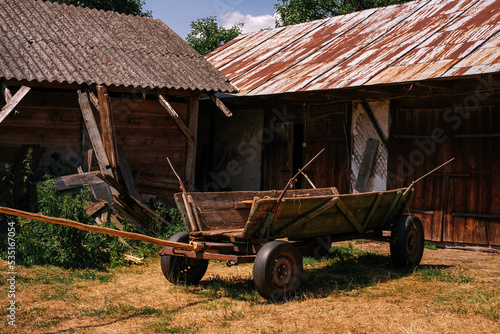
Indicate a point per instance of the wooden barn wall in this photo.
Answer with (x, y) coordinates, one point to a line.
(144, 130)
(148, 135)
(461, 202)
(50, 120)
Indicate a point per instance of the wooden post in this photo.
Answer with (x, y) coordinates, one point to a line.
(107, 128)
(193, 109)
(95, 136)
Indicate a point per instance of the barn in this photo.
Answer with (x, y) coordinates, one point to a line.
(90, 91)
(390, 93)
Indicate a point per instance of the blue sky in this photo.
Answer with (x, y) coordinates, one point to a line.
(178, 14)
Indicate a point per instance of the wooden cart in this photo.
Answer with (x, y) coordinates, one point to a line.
(267, 229)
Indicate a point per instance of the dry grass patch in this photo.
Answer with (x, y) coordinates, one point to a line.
(355, 291)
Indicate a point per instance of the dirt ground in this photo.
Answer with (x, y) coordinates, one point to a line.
(452, 291)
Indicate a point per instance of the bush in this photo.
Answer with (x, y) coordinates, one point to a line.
(41, 243)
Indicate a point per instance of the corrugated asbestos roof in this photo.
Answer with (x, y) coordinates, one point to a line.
(48, 42)
(413, 41)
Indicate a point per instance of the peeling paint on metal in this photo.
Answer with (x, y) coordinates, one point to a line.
(413, 41)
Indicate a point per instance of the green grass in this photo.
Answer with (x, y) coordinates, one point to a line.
(443, 275)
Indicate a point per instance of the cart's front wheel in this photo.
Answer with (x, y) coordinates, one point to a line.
(277, 271)
(407, 241)
(178, 269)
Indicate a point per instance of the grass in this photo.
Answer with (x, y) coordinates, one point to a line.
(355, 289)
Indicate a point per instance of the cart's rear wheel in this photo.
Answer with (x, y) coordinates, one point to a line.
(178, 269)
(277, 271)
(407, 241)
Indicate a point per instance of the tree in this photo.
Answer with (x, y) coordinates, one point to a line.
(298, 11)
(206, 35)
(133, 7)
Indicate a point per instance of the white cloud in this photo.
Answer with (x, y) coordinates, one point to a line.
(252, 23)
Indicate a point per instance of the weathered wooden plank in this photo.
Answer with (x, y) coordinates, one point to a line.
(95, 136)
(221, 106)
(107, 128)
(191, 149)
(366, 164)
(305, 217)
(77, 180)
(180, 123)
(126, 173)
(13, 102)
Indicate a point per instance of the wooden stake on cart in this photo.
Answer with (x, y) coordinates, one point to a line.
(274, 212)
(193, 222)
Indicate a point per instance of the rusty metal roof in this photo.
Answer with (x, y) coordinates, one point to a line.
(408, 42)
(48, 42)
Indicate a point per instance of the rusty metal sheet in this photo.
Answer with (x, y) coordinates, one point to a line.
(44, 41)
(417, 40)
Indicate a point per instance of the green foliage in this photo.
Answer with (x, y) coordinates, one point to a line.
(206, 35)
(298, 11)
(133, 7)
(41, 243)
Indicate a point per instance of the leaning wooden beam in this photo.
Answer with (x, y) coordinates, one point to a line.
(95, 136)
(178, 121)
(366, 164)
(13, 102)
(221, 106)
(192, 246)
(77, 180)
(107, 127)
(371, 115)
(126, 173)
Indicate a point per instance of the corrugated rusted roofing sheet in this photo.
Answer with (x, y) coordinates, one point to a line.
(48, 42)
(413, 41)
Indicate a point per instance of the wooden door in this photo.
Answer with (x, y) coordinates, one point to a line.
(278, 156)
(330, 168)
(461, 202)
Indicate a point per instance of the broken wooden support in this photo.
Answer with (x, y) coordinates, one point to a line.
(366, 165)
(221, 106)
(178, 121)
(76, 180)
(371, 115)
(192, 246)
(126, 173)
(95, 136)
(130, 206)
(107, 128)
(13, 101)
(190, 175)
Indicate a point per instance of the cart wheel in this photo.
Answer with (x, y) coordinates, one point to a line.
(407, 241)
(277, 271)
(178, 269)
